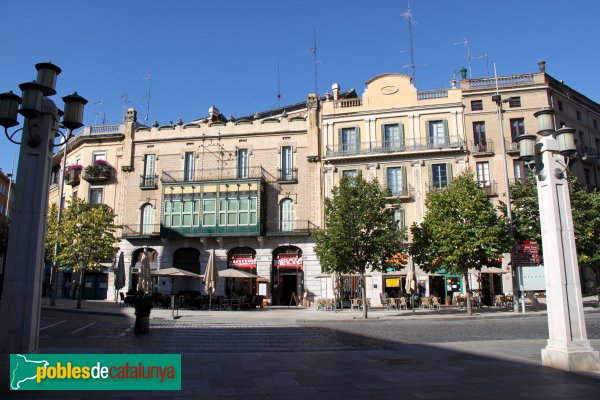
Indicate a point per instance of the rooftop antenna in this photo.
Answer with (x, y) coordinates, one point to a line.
(126, 103)
(98, 103)
(466, 43)
(278, 88)
(148, 96)
(411, 21)
(487, 63)
(316, 62)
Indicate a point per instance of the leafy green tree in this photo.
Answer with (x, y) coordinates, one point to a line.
(461, 230)
(85, 238)
(585, 208)
(360, 231)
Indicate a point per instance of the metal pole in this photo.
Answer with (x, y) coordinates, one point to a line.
(12, 171)
(500, 113)
(54, 270)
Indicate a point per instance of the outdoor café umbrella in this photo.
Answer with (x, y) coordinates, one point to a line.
(144, 280)
(411, 281)
(119, 275)
(211, 277)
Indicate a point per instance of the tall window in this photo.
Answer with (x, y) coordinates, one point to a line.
(287, 215)
(286, 163)
(352, 174)
(392, 136)
(242, 163)
(479, 134)
(439, 175)
(149, 165)
(209, 212)
(96, 195)
(483, 174)
(400, 218)
(188, 166)
(438, 134)
(518, 170)
(517, 128)
(349, 140)
(147, 220)
(396, 180)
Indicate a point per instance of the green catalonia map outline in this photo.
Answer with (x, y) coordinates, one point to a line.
(17, 386)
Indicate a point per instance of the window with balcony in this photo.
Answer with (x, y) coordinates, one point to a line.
(287, 168)
(517, 128)
(188, 166)
(483, 174)
(349, 139)
(286, 215)
(400, 218)
(476, 105)
(392, 136)
(396, 180)
(440, 174)
(98, 155)
(149, 178)
(147, 219)
(437, 134)
(514, 102)
(479, 138)
(242, 163)
(96, 195)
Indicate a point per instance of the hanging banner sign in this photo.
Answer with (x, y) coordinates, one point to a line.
(242, 262)
(288, 262)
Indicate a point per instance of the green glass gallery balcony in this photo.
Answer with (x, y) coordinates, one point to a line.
(213, 203)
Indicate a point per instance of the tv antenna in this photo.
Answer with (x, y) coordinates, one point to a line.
(487, 63)
(411, 21)
(278, 88)
(98, 103)
(148, 96)
(466, 43)
(316, 62)
(126, 103)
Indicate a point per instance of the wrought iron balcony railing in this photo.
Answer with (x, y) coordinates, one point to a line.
(293, 227)
(219, 174)
(148, 181)
(481, 147)
(378, 147)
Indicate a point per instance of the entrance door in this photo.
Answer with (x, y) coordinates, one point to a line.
(285, 284)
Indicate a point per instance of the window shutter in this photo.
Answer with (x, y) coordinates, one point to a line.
(404, 180)
(340, 146)
(357, 138)
(401, 130)
(446, 132)
(383, 141)
(449, 171)
(429, 133)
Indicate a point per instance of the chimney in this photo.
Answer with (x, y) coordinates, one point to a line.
(542, 65)
(336, 91)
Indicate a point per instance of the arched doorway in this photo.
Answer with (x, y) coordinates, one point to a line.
(243, 258)
(136, 258)
(188, 259)
(287, 275)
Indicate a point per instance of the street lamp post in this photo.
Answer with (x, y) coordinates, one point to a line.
(21, 300)
(568, 347)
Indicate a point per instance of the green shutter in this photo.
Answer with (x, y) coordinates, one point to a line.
(449, 171)
(357, 138)
(404, 180)
(429, 133)
(401, 129)
(446, 132)
(339, 142)
(382, 135)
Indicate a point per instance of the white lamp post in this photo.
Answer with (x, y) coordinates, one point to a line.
(20, 307)
(568, 347)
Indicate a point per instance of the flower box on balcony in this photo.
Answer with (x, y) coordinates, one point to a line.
(72, 175)
(100, 171)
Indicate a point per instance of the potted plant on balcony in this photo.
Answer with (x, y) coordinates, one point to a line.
(99, 171)
(72, 174)
(143, 306)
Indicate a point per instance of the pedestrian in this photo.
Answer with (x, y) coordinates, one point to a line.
(74, 287)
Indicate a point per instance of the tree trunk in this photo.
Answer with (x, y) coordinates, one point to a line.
(468, 292)
(80, 287)
(364, 294)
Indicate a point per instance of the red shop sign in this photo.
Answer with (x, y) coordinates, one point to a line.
(242, 262)
(288, 262)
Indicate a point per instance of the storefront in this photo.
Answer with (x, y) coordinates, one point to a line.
(242, 258)
(287, 276)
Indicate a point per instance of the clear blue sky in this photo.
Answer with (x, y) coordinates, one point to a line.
(225, 53)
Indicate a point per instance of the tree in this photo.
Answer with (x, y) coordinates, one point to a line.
(360, 231)
(85, 238)
(585, 209)
(461, 231)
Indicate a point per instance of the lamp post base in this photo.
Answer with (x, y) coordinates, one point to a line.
(572, 356)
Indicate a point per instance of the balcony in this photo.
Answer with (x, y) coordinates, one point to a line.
(299, 227)
(405, 193)
(73, 177)
(148, 182)
(287, 176)
(348, 103)
(98, 172)
(438, 185)
(489, 188)
(140, 231)
(207, 175)
(385, 147)
(502, 81)
(211, 231)
(481, 149)
(512, 147)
